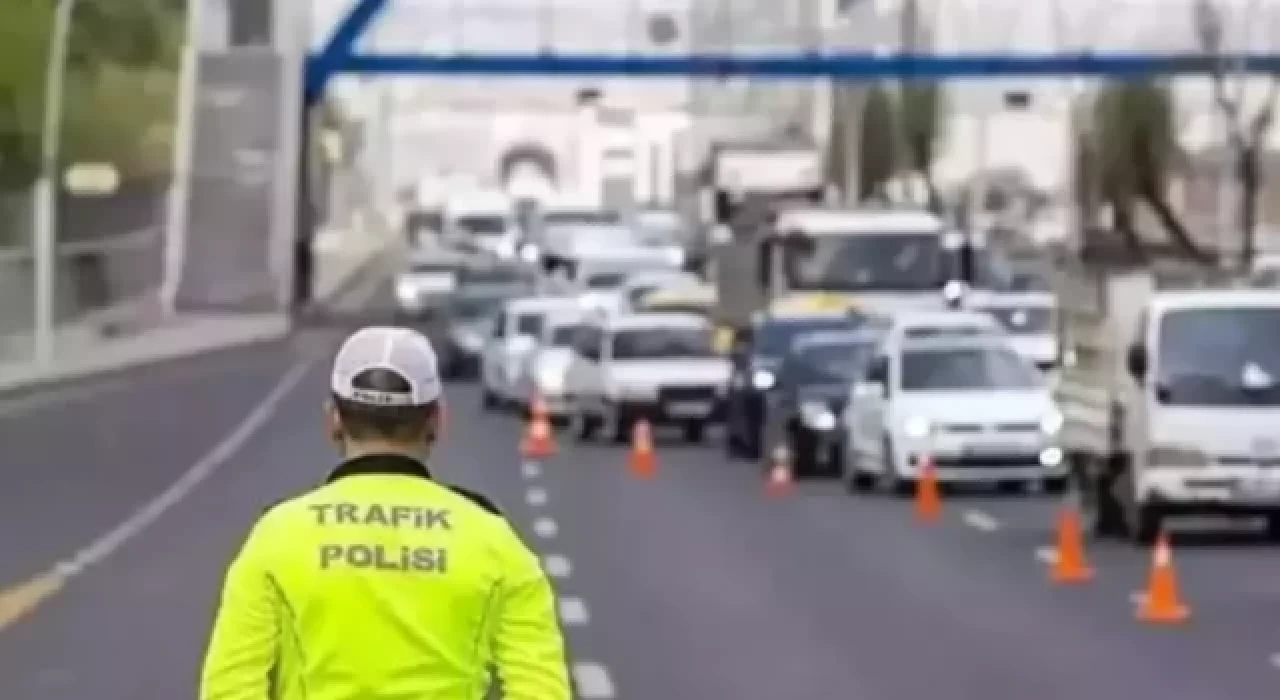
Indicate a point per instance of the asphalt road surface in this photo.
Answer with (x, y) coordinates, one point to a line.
(125, 498)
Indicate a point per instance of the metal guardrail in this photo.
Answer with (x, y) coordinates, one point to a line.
(96, 279)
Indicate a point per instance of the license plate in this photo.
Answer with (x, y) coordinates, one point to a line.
(688, 408)
(992, 450)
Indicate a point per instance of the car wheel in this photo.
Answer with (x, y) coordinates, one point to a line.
(584, 425)
(619, 425)
(890, 478)
(804, 456)
(694, 431)
(488, 400)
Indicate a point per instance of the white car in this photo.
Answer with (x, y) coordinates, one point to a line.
(426, 283)
(913, 325)
(973, 406)
(661, 367)
(601, 282)
(546, 368)
(641, 282)
(1029, 319)
(513, 336)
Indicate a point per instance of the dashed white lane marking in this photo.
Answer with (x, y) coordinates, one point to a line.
(593, 681)
(1274, 660)
(1138, 597)
(536, 497)
(530, 470)
(109, 543)
(573, 611)
(545, 528)
(558, 566)
(979, 520)
(1048, 555)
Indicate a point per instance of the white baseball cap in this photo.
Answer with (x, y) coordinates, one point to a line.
(402, 351)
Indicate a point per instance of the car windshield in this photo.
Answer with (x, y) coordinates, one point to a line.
(886, 262)
(774, 338)
(530, 324)
(605, 280)
(581, 216)
(474, 308)
(432, 268)
(563, 336)
(1218, 357)
(496, 275)
(967, 369)
(836, 361)
(655, 343)
(1023, 320)
(483, 224)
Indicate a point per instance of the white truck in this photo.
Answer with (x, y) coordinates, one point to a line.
(1170, 399)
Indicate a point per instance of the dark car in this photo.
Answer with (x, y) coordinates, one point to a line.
(496, 279)
(463, 329)
(757, 354)
(813, 388)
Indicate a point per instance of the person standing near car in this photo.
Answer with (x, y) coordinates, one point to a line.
(384, 582)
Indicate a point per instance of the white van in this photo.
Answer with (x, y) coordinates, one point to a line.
(482, 221)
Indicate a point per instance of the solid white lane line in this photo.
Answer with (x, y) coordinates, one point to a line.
(593, 681)
(558, 566)
(573, 611)
(536, 497)
(981, 521)
(545, 528)
(198, 473)
(1046, 554)
(530, 470)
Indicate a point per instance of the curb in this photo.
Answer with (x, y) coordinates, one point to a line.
(274, 328)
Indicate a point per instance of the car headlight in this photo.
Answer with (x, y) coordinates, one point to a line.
(675, 255)
(1051, 423)
(505, 248)
(817, 415)
(917, 427)
(407, 293)
(530, 253)
(1176, 456)
(468, 340)
(763, 379)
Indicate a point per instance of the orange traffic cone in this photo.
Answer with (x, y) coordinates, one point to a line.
(928, 495)
(779, 482)
(1070, 564)
(643, 462)
(1162, 604)
(539, 442)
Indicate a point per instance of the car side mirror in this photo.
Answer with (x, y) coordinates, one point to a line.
(1136, 361)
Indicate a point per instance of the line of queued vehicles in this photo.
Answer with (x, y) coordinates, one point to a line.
(871, 355)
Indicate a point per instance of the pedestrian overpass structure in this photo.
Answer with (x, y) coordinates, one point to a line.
(246, 182)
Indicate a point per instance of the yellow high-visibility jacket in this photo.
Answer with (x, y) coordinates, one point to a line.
(384, 584)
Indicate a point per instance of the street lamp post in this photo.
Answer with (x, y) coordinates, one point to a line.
(46, 189)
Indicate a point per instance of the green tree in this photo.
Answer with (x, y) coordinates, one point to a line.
(1133, 151)
(920, 106)
(920, 112)
(877, 155)
(837, 160)
(24, 43)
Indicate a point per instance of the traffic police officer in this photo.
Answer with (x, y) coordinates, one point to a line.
(384, 582)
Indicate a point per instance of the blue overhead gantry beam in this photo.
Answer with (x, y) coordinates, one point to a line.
(339, 56)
